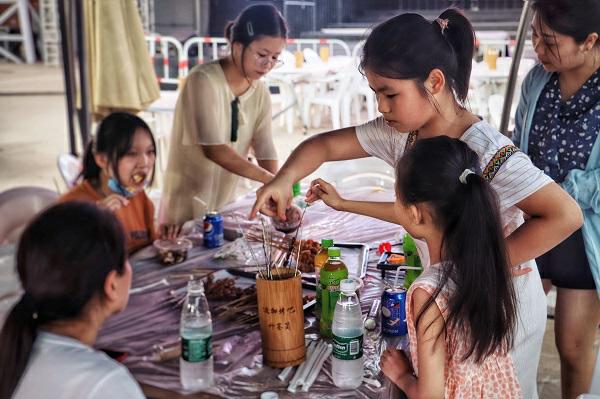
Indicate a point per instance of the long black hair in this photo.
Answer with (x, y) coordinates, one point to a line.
(254, 23)
(63, 259)
(114, 139)
(576, 19)
(409, 46)
(483, 303)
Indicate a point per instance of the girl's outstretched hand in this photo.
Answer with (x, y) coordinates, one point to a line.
(321, 190)
(272, 199)
(394, 364)
(113, 202)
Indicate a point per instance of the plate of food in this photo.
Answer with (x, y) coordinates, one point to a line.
(354, 255)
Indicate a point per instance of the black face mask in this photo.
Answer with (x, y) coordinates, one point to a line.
(234, 119)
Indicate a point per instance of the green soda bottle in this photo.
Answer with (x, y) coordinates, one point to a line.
(331, 274)
(412, 259)
(320, 260)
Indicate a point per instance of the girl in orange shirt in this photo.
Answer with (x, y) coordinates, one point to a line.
(118, 164)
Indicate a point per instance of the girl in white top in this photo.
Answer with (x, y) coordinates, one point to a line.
(74, 272)
(223, 112)
(420, 71)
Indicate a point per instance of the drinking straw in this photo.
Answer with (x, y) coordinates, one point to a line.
(312, 376)
(309, 364)
(396, 278)
(285, 373)
(309, 352)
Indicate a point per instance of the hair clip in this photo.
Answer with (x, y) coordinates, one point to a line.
(443, 23)
(463, 176)
(250, 29)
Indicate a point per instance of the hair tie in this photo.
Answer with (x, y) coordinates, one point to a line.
(463, 176)
(250, 29)
(443, 23)
(28, 301)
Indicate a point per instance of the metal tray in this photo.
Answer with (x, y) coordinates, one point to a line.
(354, 255)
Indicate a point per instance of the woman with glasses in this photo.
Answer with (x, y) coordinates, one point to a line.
(557, 124)
(223, 112)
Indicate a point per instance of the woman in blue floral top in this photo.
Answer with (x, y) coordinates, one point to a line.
(558, 124)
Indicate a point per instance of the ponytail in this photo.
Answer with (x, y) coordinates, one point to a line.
(63, 259)
(461, 37)
(16, 340)
(484, 297)
(465, 208)
(90, 170)
(409, 46)
(228, 29)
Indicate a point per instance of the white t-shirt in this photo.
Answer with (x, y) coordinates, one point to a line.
(65, 368)
(516, 179)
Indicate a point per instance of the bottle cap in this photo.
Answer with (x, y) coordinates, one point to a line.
(326, 243)
(195, 286)
(334, 251)
(348, 285)
(296, 189)
(269, 395)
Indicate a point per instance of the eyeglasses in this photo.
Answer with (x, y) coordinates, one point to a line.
(266, 61)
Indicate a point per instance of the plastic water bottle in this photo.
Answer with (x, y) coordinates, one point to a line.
(347, 361)
(196, 362)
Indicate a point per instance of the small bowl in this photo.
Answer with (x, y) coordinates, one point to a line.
(293, 215)
(173, 251)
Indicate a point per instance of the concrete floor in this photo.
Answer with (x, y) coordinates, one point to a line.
(33, 132)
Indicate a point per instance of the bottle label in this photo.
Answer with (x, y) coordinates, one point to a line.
(196, 350)
(347, 348)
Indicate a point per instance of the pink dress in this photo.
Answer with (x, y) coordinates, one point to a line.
(494, 378)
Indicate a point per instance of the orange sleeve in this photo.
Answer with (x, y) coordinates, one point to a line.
(81, 192)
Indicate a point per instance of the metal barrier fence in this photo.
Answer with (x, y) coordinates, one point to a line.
(172, 60)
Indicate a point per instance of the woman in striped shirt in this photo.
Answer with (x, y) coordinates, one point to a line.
(420, 72)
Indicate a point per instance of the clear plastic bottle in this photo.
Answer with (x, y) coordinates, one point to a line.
(347, 328)
(196, 361)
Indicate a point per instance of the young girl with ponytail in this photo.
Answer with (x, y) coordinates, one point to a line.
(461, 311)
(73, 268)
(118, 164)
(420, 70)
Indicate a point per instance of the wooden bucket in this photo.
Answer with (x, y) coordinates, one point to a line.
(281, 318)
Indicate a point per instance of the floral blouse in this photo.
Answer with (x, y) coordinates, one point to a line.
(563, 132)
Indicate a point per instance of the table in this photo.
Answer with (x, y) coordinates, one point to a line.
(150, 320)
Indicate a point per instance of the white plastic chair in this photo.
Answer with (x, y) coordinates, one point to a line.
(285, 100)
(18, 206)
(495, 102)
(363, 93)
(311, 56)
(69, 167)
(336, 99)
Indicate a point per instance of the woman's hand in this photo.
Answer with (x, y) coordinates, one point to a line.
(320, 189)
(273, 199)
(113, 202)
(394, 364)
(169, 231)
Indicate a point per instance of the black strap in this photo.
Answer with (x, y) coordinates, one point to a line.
(234, 119)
